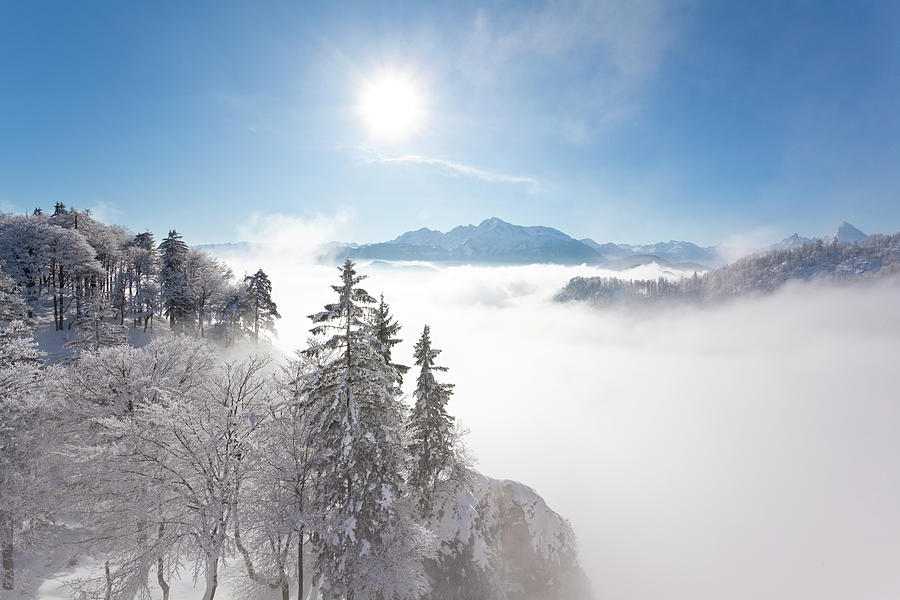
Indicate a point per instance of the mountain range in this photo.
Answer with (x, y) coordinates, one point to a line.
(844, 233)
(495, 241)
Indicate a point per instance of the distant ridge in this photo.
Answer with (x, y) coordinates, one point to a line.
(842, 257)
(494, 241)
(845, 233)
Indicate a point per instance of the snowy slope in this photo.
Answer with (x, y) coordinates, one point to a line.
(845, 232)
(499, 541)
(848, 233)
(875, 256)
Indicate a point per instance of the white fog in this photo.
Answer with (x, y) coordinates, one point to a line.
(744, 450)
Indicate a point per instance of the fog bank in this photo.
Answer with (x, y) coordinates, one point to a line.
(745, 450)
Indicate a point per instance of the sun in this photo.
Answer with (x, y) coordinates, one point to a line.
(392, 106)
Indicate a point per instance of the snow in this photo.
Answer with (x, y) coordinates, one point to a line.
(848, 233)
(474, 515)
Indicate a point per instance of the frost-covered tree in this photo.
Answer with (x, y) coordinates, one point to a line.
(72, 264)
(234, 317)
(25, 248)
(368, 545)
(432, 435)
(262, 307)
(119, 477)
(177, 299)
(143, 284)
(209, 281)
(21, 407)
(384, 329)
(208, 447)
(12, 305)
(274, 517)
(97, 327)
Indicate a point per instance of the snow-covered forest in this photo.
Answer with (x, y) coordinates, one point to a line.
(765, 272)
(97, 277)
(148, 457)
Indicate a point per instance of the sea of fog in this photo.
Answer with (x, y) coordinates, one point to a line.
(746, 450)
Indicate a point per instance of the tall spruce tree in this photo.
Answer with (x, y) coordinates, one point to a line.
(259, 295)
(368, 546)
(176, 294)
(432, 445)
(384, 329)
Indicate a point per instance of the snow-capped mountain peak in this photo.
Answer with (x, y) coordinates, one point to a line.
(793, 241)
(848, 233)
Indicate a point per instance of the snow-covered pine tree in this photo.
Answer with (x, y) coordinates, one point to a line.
(97, 327)
(384, 329)
(259, 293)
(432, 446)
(178, 304)
(368, 545)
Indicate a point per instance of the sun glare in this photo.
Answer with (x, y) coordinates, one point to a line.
(391, 106)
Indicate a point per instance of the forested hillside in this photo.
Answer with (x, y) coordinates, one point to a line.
(100, 276)
(142, 467)
(875, 256)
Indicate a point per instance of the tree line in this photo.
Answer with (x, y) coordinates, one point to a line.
(763, 272)
(97, 276)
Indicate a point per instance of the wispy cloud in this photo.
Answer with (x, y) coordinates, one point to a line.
(6, 206)
(453, 168)
(104, 211)
(743, 243)
(624, 44)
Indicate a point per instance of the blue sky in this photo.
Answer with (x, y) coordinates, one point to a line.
(622, 121)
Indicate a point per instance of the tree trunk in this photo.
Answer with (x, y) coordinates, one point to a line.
(6, 539)
(256, 323)
(161, 579)
(300, 565)
(79, 295)
(212, 577)
(108, 595)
